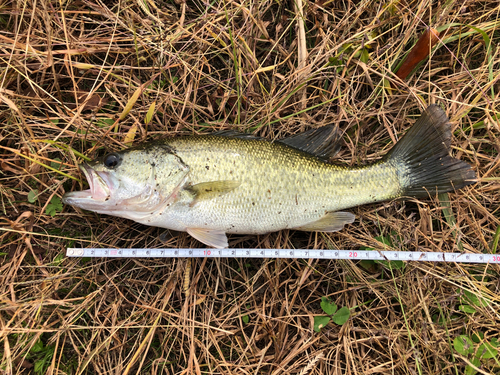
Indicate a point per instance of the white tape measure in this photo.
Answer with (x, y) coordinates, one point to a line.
(287, 254)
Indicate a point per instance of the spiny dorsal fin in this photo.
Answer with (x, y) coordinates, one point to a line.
(237, 134)
(322, 142)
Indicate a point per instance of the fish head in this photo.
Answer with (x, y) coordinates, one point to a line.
(141, 180)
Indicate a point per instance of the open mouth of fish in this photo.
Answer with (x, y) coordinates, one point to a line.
(99, 185)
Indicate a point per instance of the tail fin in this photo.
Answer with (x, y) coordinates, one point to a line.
(422, 157)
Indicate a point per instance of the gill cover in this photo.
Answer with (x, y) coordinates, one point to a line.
(133, 183)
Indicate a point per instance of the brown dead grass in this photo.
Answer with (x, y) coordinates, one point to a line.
(67, 72)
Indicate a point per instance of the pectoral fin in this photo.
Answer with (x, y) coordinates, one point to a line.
(214, 238)
(331, 222)
(212, 189)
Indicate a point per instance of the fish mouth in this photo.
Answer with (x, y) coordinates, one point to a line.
(99, 191)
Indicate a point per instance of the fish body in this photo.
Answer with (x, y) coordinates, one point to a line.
(217, 184)
(265, 186)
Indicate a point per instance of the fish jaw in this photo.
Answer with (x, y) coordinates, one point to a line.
(99, 192)
(109, 194)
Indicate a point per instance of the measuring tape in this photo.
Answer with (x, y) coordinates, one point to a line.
(418, 256)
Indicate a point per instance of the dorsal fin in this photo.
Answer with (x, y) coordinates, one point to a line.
(321, 142)
(237, 134)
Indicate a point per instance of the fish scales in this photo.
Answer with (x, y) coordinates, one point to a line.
(234, 183)
(280, 187)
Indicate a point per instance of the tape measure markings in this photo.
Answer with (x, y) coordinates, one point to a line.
(286, 254)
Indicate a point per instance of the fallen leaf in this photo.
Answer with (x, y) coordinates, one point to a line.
(131, 102)
(419, 52)
(94, 103)
(129, 137)
(150, 113)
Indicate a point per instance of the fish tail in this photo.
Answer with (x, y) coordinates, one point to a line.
(422, 157)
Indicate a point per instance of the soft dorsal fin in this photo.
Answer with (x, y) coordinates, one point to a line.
(322, 142)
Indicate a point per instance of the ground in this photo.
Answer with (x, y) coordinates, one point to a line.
(80, 78)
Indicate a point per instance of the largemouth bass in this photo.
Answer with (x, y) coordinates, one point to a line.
(212, 185)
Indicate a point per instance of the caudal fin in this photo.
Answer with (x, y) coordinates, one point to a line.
(422, 157)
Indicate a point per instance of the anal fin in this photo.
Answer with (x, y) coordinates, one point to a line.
(331, 222)
(210, 237)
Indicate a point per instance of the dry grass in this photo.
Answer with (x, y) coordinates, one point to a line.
(67, 71)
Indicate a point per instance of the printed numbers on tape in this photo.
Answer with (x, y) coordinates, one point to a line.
(286, 254)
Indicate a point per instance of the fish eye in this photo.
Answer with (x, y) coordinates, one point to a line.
(111, 160)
